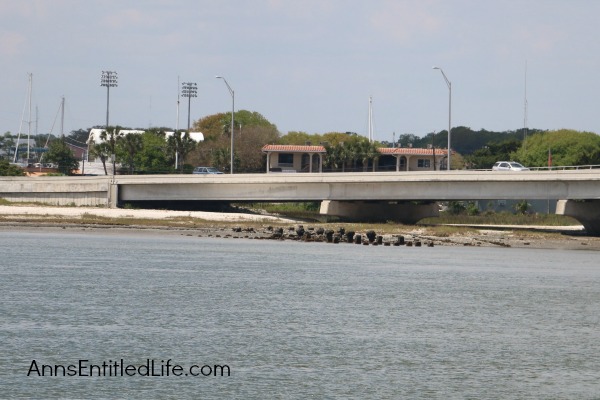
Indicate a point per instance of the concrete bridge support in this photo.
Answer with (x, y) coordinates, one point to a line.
(405, 212)
(113, 195)
(585, 211)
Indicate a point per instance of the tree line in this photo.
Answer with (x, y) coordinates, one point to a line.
(154, 152)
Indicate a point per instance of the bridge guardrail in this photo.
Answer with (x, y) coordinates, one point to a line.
(556, 168)
(564, 167)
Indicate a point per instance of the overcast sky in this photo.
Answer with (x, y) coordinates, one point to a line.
(305, 65)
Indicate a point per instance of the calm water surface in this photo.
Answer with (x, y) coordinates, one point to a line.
(295, 320)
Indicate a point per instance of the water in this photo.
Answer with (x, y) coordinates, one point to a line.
(297, 320)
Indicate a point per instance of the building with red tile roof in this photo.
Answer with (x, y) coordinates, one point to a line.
(294, 158)
(309, 158)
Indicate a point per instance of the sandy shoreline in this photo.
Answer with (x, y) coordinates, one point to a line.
(256, 226)
(139, 214)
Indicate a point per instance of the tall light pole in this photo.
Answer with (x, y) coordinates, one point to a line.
(449, 110)
(108, 79)
(189, 90)
(232, 93)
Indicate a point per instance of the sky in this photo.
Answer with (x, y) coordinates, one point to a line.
(308, 65)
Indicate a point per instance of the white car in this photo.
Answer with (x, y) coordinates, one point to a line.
(206, 171)
(508, 166)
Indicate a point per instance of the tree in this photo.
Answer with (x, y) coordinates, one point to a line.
(221, 159)
(216, 125)
(248, 146)
(408, 139)
(367, 152)
(457, 161)
(252, 131)
(102, 152)
(110, 137)
(485, 157)
(7, 169)
(211, 126)
(334, 138)
(568, 147)
(79, 136)
(464, 140)
(129, 145)
(299, 138)
(59, 153)
(352, 150)
(252, 118)
(154, 156)
(181, 144)
(335, 158)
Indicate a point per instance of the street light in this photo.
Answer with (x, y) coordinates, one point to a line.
(108, 79)
(189, 90)
(449, 110)
(232, 113)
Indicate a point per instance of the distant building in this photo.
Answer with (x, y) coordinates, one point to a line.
(411, 159)
(195, 136)
(308, 158)
(95, 166)
(79, 152)
(292, 158)
(95, 135)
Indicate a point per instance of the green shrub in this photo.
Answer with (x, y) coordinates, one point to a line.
(8, 169)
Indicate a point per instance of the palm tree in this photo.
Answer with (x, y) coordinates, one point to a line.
(110, 138)
(333, 157)
(367, 151)
(352, 153)
(181, 144)
(100, 151)
(131, 143)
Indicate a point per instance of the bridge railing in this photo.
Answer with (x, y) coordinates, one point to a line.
(553, 168)
(564, 167)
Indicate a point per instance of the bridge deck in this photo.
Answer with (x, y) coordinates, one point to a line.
(441, 185)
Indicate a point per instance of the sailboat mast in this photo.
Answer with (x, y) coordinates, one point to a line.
(177, 127)
(29, 121)
(177, 120)
(62, 117)
(525, 108)
(370, 118)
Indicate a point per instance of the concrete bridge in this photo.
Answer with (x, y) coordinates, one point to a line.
(387, 195)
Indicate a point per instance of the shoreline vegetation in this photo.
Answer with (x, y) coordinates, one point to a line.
(541, 232)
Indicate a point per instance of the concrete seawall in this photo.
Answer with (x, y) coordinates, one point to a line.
(79, 191)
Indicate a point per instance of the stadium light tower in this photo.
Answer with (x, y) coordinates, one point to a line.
(108, 79)
(189, 90)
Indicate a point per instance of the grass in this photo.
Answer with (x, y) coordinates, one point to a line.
(502, 219)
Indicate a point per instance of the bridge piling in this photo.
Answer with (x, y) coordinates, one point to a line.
(585, 211)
